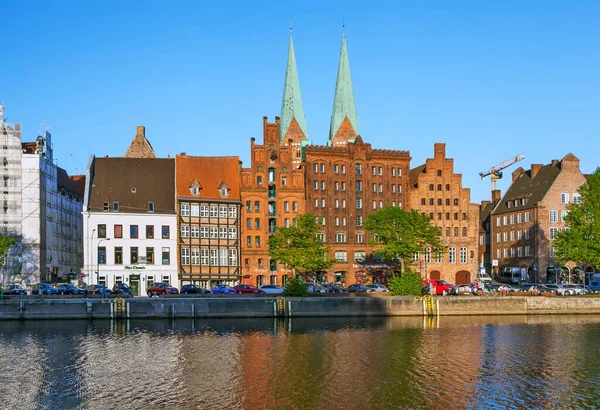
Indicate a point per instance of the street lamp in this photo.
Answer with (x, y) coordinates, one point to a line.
(98, 257)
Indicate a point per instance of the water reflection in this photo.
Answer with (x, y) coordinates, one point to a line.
(333, 363)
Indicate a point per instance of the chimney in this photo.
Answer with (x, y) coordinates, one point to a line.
(439, 150)
(496, 196)
(141, 130)
(555, 162)
(516, 174)
(535, 168)
(183, 154)
(484, 203)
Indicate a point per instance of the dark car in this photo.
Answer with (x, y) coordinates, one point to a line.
(121, 289)
(247, 289)
(98, 289)
(193, 290)
(356, 288)
(161, 288)
(14, 290)
(333, 288)
(221, 288)
(43, 289)
(68, 289)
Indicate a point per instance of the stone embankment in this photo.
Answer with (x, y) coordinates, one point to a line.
(239, 306)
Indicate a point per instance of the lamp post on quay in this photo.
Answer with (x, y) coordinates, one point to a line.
(98, 257)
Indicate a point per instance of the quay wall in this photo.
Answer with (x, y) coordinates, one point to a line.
(266, 306)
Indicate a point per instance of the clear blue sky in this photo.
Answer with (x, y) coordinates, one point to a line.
(490, 79)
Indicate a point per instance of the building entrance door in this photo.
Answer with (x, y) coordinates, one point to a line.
(134, 284)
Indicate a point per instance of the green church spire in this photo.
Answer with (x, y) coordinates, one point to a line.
(343, 102)
(291, 105)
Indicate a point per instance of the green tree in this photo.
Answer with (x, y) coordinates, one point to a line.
(580, 241)
(409, 283)
(299, 248)
(5, 244)
(402, 233)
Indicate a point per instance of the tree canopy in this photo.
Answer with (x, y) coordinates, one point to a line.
(299, 248)
(580, 241)
(402, 233)
(6, 243)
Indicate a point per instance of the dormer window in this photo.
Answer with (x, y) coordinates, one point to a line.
(195, 190)
(224, 189)
(224, 192)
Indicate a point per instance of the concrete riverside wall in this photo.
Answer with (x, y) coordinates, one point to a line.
(236, 306)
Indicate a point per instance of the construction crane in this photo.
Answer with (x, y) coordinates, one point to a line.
(495, 172)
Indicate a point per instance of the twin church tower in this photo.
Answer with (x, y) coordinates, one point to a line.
(344, 121)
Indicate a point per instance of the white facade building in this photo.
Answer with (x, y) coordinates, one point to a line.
(129, 219)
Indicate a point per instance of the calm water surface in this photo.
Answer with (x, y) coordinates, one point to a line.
(377, 363)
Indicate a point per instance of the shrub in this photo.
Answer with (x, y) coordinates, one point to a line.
(295, 287)
(409, 283)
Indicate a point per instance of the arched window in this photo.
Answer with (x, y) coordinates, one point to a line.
(455, 201)
(431, 187)
(464, 231)
(448, 201)
(439, 216)
(447, 231)
(439, 201)
(422, 201)
(439, 172)
(456, 231)
(439, 187)
(431, 201)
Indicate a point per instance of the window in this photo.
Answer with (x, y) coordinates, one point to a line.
(248, 223)
(464, 231)
(118, 231)
(520, 251)
(437, 257)
(322, 203)
(498, 237)
(399, 172)
(294, 206)
(337, 221)
(343, 169)
(512, 252)
(185, 256)
(447, 187)
(222, 211)
(165, 233)
(195, 190)
(343, 187)
(576, 198)
(249, 241)
(527, 251)
(431, 201)
(258, 180)
(232, 253)
(564, 198)
(359, 220)
(149, 231)
(316, 185)
(439, 173)
(316, 202)
(316, 168)
(553, 217)
(195, 231)
(358, 186)
(463, 254)
(286, 206)
(222, 232)
(431, 187)
(343, 221)
(204, 232)
(504, 220)
(456, 201)
(360, 256)
(133, 231)
(393, 172)
(102, 255)
(116, 206)
(185, 231)
(373, 187)
(133, 255)
(380, 171)
(150, 206)
(322, 166)
(149, 256)
(118, 255)
(423, 201)
(203, 211)
(505, 236)
(553, 232)
(359, 238)
(204, 256)
(257, 241)
(519, 235)
(343, 203)
(456, 231)
(257, 223)
(439, 187)
(233, 212)
(427, 254)
(166, 256)
(452, 254)
(512, 235)
(102, 231)
(214, 211)
(374, 204)
(358, 203)
(456, 216)
(381, 188)
(336, 169)
(447, 231)
(214, 257)
(248, 206)
(563, 215)
(185, 209)
(527, 234)
(374, 170)
(512, 219)
(340, 237)
(105, 206)
(341, 256)
(447, 201)
(447, 216)
(519, 218)
(195, 256)
(358, 168)
(527, 216)
(214, 232)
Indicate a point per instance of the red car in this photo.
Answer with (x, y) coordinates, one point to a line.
(247, 289)
(441, 286)
(161, 288)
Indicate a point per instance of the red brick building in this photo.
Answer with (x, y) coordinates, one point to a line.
(531, 212)
(435, 190)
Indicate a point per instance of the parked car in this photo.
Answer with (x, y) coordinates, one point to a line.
(484, 278)
(333, 288)
(98, 289)
(272, 289)
(192, 289)
(247, 289)
(122, 289)
(312, 287)
(222, 289)
(356, 288)
(161, 288)
(465, 289)
(68, 289)
(377, 287)
(573, 290)
(594, 286)
(43, 289)
(14, 290)
(441, 286)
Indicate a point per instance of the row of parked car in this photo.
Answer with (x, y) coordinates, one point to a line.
(47, 289)
(441, 287)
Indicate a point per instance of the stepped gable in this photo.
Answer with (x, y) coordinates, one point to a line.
(140, 147)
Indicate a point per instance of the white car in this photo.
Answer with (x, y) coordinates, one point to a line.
(272, 289)
(572, 290)
(377, 287)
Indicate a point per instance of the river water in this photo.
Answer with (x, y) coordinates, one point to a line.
(345, 363)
